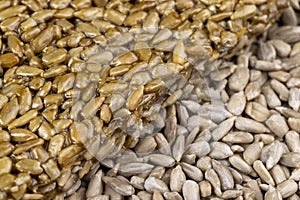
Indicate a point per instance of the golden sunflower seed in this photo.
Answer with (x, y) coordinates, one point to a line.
(43, 39)
(51, 169)
(89, 14)
(27, 146)
(24, 119)
(8, 60)
(114, 16)
(30, 166)
(9, 111)
(6, 165)
(6, 181)
(12, 11)
(135, 98)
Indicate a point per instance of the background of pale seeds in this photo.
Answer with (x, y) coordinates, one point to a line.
(229, 132)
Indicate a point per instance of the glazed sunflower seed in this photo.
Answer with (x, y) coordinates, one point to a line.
(30, 166)
(60, 41)
(28, 145)
(9, 111)
(24, 119)
(6, 165)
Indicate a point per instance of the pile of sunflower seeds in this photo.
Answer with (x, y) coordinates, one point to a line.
(233, 132)
(85, 81)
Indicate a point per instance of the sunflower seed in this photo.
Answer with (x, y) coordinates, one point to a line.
(134, 168)
(177, 179)
(252, 152)
(263, 172)
(290, 159)
(191, 190)
(178, 148)
(223, 128)
(162, 160)
(237, 162)
(212, 177)
(153, 184)
(249, 125)
(200, 149)
(278, 125)
(220, 150)
(272, 194)
(287, 188)
(224, 174)
(118, 185)
(192, 172)
(278, 174)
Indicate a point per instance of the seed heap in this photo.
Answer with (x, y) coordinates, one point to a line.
(84, 74)
(236, 139)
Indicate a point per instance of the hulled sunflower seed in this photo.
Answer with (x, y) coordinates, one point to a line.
(263, 172)
(191, 190)
(177, 179)
(152, 184)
